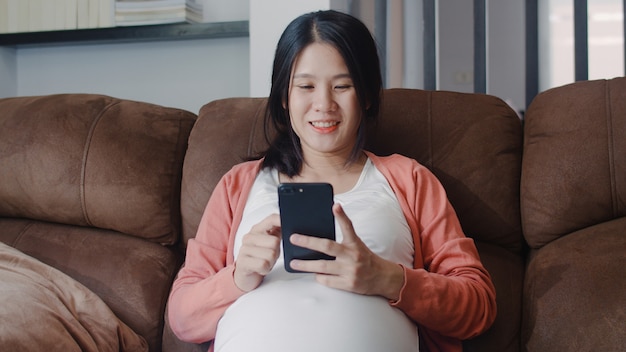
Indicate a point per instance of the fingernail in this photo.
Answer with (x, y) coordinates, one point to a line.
(295, 238)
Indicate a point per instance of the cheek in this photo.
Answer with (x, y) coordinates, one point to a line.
(297, 109)
(294, 122)
(297, 101)
(355, 112)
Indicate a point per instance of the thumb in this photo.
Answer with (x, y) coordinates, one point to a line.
(349, 236)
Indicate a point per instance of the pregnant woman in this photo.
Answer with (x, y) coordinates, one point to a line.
(405, 277)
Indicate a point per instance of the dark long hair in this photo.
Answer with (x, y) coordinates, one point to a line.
(351, 38)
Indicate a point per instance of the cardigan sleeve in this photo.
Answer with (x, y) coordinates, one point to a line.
(448, 291)
(205, 287)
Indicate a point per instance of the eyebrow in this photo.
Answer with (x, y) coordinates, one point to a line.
(309, 75)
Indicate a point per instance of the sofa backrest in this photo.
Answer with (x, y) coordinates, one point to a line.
(93, 160)
(574, 167)
(472, 142)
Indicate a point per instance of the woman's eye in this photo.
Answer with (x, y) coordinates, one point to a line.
(343, 87)
(305, 86)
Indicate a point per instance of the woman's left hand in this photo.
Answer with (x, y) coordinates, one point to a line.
(356, 268)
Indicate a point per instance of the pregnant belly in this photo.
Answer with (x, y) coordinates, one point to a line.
(291, 312)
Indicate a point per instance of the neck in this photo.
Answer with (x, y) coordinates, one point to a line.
(331, 169)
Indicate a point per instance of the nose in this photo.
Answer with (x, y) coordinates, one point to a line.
(324, 100)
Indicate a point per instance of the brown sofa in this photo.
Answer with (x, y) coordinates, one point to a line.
(92, 185)
(573, 202)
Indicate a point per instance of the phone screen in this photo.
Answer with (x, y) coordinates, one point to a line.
(305, 208)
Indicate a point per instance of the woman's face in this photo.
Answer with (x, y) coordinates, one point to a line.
(323, 105)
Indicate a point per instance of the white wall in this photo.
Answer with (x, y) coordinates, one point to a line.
(184, 74)
(189, 73)
(268, 19)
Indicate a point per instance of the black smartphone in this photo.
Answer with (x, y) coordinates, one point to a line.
(305, 208)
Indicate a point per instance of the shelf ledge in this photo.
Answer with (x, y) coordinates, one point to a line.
(127, 34)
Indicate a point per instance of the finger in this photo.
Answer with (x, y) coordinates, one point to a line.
(254, 259)
(345, 224)
(270, 225)
(265, 253)
(255, 265)
(321, 266)
(318, 244)
(262, 240)
(329, 273)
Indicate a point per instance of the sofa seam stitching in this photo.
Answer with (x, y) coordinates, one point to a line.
(22, 233)
(174, 181)
(611, 148)
(86, 149)
(252, 134)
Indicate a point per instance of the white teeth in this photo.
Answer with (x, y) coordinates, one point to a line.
(324, 124)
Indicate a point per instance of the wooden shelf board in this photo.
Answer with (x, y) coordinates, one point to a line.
(160, 32)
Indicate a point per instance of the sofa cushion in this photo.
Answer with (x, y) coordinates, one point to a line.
(132, 276)
(226, 133)
(48, 311)
(472, 143)
(575, 292)
(507, 272)
(574, 165)
(93, 160)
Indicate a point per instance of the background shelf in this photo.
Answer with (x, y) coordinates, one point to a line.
(161, 32)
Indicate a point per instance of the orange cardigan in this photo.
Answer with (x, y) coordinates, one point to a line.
(447, 292)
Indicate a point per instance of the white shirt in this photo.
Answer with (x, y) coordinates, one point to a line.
(292, 312)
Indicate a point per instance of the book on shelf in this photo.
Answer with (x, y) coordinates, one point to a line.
(143, 12)
(58, 8)
(147, 3)
(22, 15)
(106, 13)
(82, 14)
(199, 11)
(46, 15)
(35, 15)
(92, 13)
(18, 16)
(13, 16)
(4, 16)
(71, 14)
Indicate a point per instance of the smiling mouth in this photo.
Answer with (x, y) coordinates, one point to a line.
(324, 124)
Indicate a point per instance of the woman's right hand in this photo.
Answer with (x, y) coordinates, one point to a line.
(259, 251)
